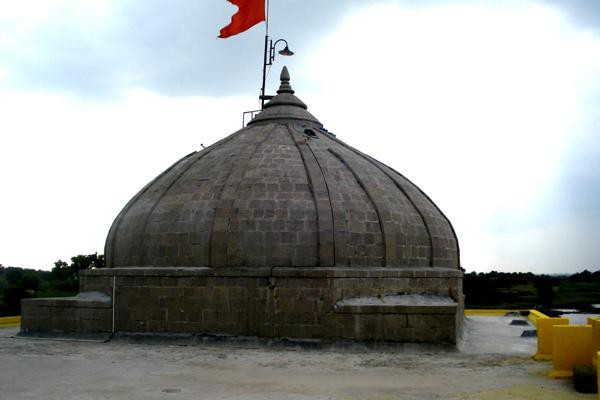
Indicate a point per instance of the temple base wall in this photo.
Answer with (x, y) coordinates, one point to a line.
(271, 302)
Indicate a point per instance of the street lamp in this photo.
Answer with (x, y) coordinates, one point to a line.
(269, 58)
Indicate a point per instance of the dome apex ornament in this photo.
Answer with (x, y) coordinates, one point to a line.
(285, 105)
(285, 86)
(285, 75)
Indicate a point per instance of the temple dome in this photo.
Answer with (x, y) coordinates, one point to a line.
(281, 192)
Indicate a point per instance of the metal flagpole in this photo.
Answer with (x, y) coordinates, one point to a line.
(265, 61)
(267, 19)
(270, 57)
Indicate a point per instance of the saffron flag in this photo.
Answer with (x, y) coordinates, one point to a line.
(250, 13)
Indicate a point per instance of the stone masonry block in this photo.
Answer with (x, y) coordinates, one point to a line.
(444, 321)
(421, 321)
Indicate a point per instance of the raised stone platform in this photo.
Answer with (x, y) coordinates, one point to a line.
(415, 304)
(86, 312)
(403, 318)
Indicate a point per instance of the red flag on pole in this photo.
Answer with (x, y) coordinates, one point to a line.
(250, 13)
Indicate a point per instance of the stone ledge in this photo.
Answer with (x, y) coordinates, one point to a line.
(82, 300)
(303, 272)
(179, 272)
(148, 271)
(397, 304)
(373, 272)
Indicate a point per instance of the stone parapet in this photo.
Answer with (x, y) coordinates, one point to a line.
(284, 302)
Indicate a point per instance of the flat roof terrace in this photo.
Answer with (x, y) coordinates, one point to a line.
(492, 361)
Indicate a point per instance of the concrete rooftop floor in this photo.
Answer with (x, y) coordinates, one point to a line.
(492, 362)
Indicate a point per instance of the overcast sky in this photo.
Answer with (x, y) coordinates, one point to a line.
(491, 107)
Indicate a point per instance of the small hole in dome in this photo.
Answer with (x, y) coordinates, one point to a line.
(310, 132)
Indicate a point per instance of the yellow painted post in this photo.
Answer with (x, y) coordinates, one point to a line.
(571, 345)
(544, 336)
(595, 324)
(535, 315)
(598, 369)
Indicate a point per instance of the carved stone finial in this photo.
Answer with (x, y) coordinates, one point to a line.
(285, 86)
(285, 75)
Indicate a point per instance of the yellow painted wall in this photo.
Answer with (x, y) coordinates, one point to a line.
(544, 336)
(571, 345)
(10, 321)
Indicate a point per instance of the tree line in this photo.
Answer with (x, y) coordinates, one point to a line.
(63, 280)
(527, 290)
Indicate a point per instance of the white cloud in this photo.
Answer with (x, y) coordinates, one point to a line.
(70, 167)
(476, 104)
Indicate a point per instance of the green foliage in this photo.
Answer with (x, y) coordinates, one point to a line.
(499, 289)
(572, 294)
(13, 275)
(67, 275)
(63, 280)
(17, 284)
(545, 292)
(526, 290)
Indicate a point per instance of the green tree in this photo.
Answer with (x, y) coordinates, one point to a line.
(68, 274)
(13, 275)
(21, 284)
(545, 289)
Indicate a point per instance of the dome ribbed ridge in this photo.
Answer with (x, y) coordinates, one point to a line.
(281, 192)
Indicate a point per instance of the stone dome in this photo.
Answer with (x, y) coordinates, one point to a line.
(281, 192)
